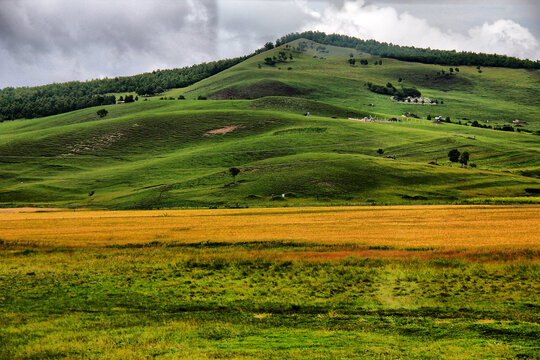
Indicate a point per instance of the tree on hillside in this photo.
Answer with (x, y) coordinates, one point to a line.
(429, 117)
(380, 151)
(268, 46)
(269, 61)
(453, 155)
(352, 62)
(464, 159)
(234, 171)
(102, 113)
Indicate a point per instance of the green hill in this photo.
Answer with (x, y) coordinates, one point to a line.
(168, 153)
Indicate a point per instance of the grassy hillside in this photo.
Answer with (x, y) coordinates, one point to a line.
(177, 152)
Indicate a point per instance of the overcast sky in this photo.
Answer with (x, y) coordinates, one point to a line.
(44, 41)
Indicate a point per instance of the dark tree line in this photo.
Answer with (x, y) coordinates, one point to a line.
(31, 102)
(389, 89)
(410, 53)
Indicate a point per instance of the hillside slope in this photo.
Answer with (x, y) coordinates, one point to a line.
(167, 153)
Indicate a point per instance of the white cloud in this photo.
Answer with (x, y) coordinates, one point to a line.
(507, 36)
(356, 18)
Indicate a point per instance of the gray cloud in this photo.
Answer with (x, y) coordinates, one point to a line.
(86, 39)
(44, 41)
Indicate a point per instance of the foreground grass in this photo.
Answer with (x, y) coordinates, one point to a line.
(328, 298)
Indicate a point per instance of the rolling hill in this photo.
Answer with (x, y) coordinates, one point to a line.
(164, 152)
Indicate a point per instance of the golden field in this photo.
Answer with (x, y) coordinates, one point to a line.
(400, 282)
(395, 227)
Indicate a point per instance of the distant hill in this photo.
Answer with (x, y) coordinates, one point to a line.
(175, 153)
(38, 101)
(31, 102)
(411, 53)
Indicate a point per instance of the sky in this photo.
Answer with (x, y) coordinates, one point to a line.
(45, 41)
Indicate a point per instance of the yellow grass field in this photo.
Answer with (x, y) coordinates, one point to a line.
(400, 282)
(397, 227)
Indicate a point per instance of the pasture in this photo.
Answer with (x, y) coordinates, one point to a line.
(304, 283)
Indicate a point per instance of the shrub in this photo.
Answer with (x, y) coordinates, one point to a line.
(102, 113)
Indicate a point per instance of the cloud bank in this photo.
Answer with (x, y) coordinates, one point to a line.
(43, 41)
(55, 40)
(356, 18)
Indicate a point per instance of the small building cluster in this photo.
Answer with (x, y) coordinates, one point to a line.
(421, 100)
(372, 119)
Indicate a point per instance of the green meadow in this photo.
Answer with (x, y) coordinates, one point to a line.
(228, 301)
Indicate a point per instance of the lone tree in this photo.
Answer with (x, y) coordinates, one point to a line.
(234, 171)
(464, 159)
(380, 151)
(102, 113)
(453, 155)
(269, 61)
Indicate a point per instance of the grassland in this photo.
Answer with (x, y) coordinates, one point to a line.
(308, 283)
(163, 154)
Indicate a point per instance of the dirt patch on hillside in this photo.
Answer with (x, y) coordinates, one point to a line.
(255, 91)
(221, 131)
(95, 143)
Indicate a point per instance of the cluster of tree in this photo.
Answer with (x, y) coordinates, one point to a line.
(45, 100)
(410, 53)
(128, 98)
(281, 58)
(455, 156)
(476, 124)
(389, 89)
(15, 104)
(364, 62)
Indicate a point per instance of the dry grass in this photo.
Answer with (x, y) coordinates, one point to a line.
(398, 228)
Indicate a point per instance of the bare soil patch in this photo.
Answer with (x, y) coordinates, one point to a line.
(221, 131)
